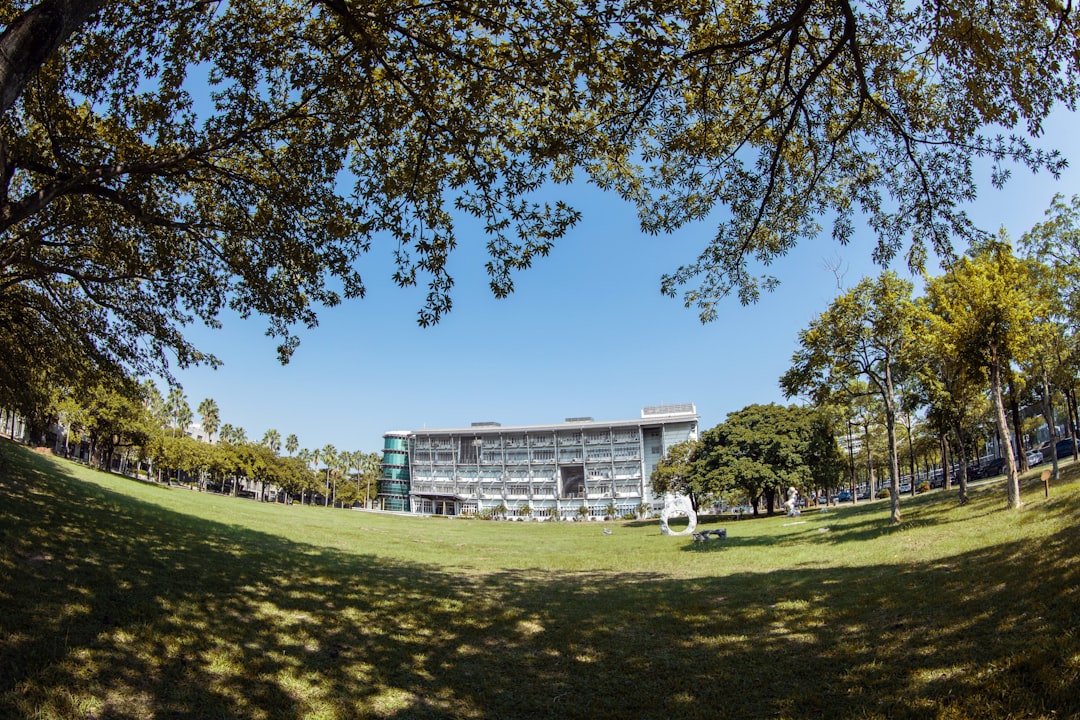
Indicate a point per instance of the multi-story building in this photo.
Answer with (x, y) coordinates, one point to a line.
(539, 471)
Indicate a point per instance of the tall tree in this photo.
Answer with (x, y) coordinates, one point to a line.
(990, 315)
(114, 417)
(952, 390)
(291, 444)
(330, 458)
(822, 455)
(210, 416)
(370, 469)
(1055, 243)
(762, 449)
(179, 411)
(866, 332)
(272, 440)
(678, 472)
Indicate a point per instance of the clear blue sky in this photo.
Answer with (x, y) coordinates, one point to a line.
(586, 333)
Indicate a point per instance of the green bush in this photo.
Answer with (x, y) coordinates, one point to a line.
(922, 487)
(883, 493)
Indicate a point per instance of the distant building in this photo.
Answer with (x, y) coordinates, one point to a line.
(195, 431)
(537, 471)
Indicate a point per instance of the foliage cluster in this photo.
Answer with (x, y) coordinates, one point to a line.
(758, 453)
(134, 429)
(162, 162)
(995, 329)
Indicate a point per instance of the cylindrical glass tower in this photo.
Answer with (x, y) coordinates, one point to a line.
(394, 484)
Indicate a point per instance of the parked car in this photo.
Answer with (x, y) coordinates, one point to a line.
(844, 496)
(1034, 457)
(1064, 448)
(994, 467)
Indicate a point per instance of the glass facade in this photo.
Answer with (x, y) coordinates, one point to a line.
(394, 483)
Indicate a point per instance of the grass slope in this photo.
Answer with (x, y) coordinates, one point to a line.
(122, 599)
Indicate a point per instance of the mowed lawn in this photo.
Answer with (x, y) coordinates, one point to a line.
(125, 599)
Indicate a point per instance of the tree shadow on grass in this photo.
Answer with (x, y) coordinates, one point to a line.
(113, 608)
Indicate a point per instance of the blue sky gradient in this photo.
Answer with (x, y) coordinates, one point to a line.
(586, 332)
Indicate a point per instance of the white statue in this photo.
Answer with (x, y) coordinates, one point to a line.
(792, 498)
(674, 506)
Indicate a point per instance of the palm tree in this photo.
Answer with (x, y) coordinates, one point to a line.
(291, 444)
(358, 463)
(370, 465)
(155, 404)
(349, 461)
(208, 411)
(272, 440)
(184, 417)
(178, 410)
(305, 456)
(329, 455)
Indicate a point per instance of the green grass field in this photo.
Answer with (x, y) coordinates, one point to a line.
(123, 599)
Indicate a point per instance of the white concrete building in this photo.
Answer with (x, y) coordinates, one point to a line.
(537, 471)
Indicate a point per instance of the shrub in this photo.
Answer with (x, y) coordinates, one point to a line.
(922, 487)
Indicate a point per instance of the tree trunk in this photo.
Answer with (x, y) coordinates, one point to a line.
(33, 37)
(1048, 418)
(1071, 411)
(894, 456)
(911, 452)
(944, 462)
(1021, 446)
(958, 431)
(1012, 481)
(770, 498)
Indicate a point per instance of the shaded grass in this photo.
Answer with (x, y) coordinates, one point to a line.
(123, 599)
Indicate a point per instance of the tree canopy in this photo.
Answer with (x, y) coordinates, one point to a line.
(992, 318)
(868, 331)
(762, 450)
(163, 161)
(679, 472)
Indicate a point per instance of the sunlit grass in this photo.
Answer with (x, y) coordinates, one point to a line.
(124, 599)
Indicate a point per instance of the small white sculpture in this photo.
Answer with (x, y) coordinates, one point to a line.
(792, 498)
